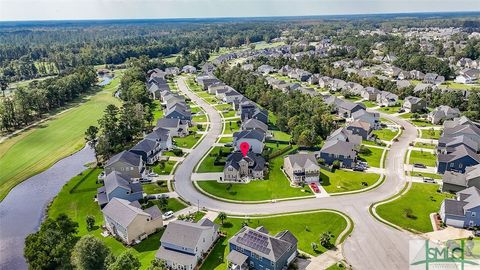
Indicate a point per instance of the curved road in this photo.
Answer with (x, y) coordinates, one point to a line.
(372, 245)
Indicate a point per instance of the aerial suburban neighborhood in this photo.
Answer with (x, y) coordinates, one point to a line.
(311, 142)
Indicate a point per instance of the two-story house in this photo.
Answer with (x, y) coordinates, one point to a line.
(256, 249)
(127, 163)
(302, 168)
(464, 212)
(239, 168)
(254, 137)
(183, 243)
(339, 150)
(150, 150)
(117, 185)
(128, 221)
(415, 104)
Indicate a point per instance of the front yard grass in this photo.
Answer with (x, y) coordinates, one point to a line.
(385, 134)
(423, 157)
(200, 117)
(187, 141)
(155, 187)
(208, 163)
(433, 134)
(226, 140)
(370, 104)
(275, 186)
(231, 126)
(390, 110)
(422, 123)
(425, 145)
(78, 203)
(412, 210)
(164, 167)
(372, 156)
(431, 175)
(343, 180)
(307, 228)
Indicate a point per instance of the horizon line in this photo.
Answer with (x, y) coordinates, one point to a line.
(245, 17)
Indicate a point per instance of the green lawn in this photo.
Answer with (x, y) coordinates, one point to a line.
(281, 136)
(231, 126)
(431, 175)
(425, 145)
(422, 123)
(459, 86)
(385, 134)
(406, 115)
(79, 203)
(187, 141)
(431, 134)
(208, 165)
(276, 186)
(307, 228)
(229, 114)
(199, 118)
(226, 140)
(193, 85)
(421, 200)
(164, 167)
(372, 157)
(390, 110)
(425, 158)
(155, 187)
(157, 111)
(343, 181)
(173, 205)
(223, 107)
(370, 104)
(36, 149)
(365, 142)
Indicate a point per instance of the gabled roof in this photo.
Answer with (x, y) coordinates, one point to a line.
(303, 161)
(413, 100)
(360, 124)
(168, 123)
(234, 158)
(250, 134)
(145, 145)
(115, 179)
(159, 134)
(185, 234)
(125, 156)
(459, 152)
(471, 196)
(339, 148)
(267, 246)
(254, 124)
(124, 212)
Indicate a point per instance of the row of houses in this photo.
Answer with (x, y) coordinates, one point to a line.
(185, 244)
(122, 190)
(459, 145)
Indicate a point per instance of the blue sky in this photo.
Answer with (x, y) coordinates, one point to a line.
(136, 9)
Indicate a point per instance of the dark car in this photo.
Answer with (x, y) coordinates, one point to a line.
(419, 165)
(359, 168)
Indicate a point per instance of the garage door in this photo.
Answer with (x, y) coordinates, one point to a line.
(454, 222)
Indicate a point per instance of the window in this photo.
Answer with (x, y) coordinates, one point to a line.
(460, 165)
(474, 214)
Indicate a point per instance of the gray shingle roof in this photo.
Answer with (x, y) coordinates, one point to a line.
(168, 123)
(339, 148)
(459, 152)
(125, 156)
(146, 145)
(254, 124)
(185, 234)
(123, 212)
(235, 157)
(454, 207)
(249, 134)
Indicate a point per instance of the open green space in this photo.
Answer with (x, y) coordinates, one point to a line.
(423, 157)
(433, 134)
(275, 186)
(307, 228)
(425, 145)
(343, 180)
(164, 167)
(390, 110)
(187, 141)
(157, 110)
(218, 154)
(280, 135)
(459, 86)
(371, 155)
(385, 134)
(76, 200)
(412, 210)
(36, 149)
(155, 187)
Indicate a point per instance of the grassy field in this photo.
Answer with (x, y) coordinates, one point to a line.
(208, 165)
(425, 145)
(431, 134)
(373, 157)
(157, 111)
(187, 141)
(78, 203)
(459, 86)
(36, 149)
(155, 187)
(385, 134)
(425, 158)
(166, 169)
(307, 227)
(419, 202)
(231, 126)
(281, 136)
(343, 181)
(276, 186)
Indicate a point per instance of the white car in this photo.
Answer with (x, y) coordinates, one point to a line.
(167, 215)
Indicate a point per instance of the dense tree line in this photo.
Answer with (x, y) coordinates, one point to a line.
(306, 118)
(28, 104)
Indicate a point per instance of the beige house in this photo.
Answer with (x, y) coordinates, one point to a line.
(301, 168)
(129, 221)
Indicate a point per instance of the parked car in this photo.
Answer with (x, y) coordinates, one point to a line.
(363, 164)
(152, 174)
(150, 197)
(145, 180)
(429, 180)
(167, 215)
(161, 196)
(419, 165)
(359, 168)
(314, 187)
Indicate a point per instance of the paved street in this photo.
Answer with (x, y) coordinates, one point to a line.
(372, 244)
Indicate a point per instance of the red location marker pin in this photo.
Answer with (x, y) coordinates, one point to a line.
(244, 147)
